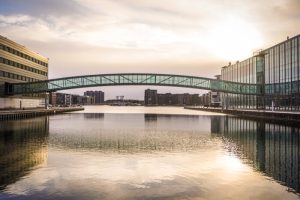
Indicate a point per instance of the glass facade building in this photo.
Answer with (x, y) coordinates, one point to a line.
(276, 69)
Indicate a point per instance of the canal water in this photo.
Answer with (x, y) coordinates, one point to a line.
(148, 153)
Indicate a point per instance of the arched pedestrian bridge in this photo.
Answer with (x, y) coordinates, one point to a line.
(52, 85)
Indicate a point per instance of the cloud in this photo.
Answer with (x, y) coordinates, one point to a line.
(182, 37)
(15, 19)
(41, 8)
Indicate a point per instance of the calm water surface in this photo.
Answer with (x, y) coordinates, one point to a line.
(147, 153)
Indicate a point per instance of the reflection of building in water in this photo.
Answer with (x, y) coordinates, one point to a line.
(153, 133)
(215, 127)
(22, 147)
(93, 115)
(273, 149)
(283, 154)
(150, 117)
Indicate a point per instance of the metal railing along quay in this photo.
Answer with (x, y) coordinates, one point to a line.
(22, 114)
(278, 116)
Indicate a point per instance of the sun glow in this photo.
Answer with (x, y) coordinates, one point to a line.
(234, 163)
(234, 39)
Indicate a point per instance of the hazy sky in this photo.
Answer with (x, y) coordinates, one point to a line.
(190, 37)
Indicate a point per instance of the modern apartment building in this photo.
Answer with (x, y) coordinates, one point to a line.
(20, 64)
(98, 96)
(153, 98)
(276, 69)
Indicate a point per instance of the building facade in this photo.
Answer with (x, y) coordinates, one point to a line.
(153, 98)
(276, 70)
(63, 99)
(98, 96)
(20, 64)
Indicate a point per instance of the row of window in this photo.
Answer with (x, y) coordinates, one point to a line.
(243, 72)
(241, 101)
(17, 77)
(282, 88)
(248, 101)
(23, 55)
(282, 62)
(21, 66)
(281, 65)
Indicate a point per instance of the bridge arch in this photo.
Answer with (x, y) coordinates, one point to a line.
(172, 80)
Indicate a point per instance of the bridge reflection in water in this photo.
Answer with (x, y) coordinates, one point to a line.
(23, 146)
(270, 148)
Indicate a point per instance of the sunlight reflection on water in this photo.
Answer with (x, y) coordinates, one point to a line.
(146, 156)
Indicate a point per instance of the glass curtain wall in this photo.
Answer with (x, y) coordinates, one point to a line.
(282, 76)
(243, 72)
(276, 69)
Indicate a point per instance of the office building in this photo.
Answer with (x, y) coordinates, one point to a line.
(20, 64)
(276, 70)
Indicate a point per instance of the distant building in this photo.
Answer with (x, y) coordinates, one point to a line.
(150, 97)
(68, 99)
(98, 96)
(52, 99)
(76, 99)
(205, 100)
(216, 97)
(62, 99)
(164, 99)
(88, 100)
(210, 99)
(124, 102)
(195, 99)
(153, 98)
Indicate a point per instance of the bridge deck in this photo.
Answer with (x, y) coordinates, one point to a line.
(133, 79)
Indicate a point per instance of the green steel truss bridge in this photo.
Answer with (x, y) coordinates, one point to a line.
(52, 85)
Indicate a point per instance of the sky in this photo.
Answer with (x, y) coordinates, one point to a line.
(187, 37)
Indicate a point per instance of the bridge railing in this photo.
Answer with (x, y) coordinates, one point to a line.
(135, 79)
